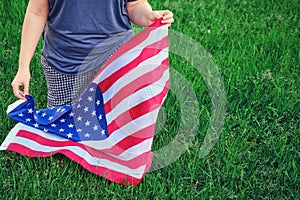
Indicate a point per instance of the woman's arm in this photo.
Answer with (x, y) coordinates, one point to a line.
(141, 13)
(33, 26)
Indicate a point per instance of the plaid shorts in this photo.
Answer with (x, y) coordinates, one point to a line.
(65, 89)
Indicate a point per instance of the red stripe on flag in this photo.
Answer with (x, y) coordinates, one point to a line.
(146, 53)
(142, 81)
(137, 111)
(111, 175)
(132, 140)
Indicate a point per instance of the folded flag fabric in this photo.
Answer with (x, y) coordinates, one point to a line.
(110, 128)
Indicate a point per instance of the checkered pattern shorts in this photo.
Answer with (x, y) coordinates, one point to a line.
(65, 89)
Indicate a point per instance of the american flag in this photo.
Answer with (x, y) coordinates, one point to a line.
(110, 128)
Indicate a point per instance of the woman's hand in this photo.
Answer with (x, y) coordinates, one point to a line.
(141, 13)
(166, 15)
(20, 81)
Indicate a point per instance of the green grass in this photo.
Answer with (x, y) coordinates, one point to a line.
(255, 45)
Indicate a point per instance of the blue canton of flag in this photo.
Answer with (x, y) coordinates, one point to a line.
(82, 121)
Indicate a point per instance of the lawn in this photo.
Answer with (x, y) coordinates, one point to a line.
(254, 53)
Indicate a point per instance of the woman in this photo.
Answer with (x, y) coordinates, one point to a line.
(78, 37)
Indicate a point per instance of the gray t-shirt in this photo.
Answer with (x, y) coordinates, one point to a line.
(81, 34)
